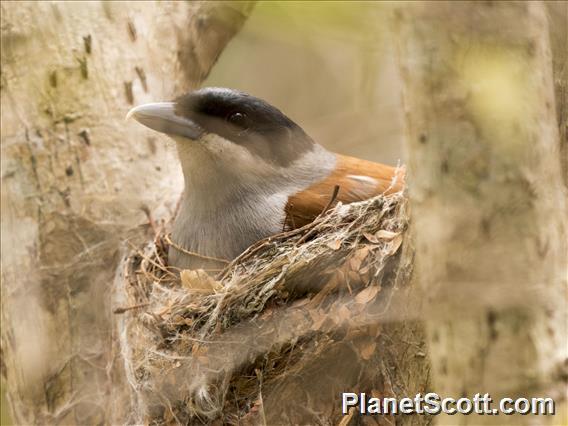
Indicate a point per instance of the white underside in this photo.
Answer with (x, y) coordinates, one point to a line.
(232, 199)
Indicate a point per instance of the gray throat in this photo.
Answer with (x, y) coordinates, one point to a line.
(220, 218)
(225, 230)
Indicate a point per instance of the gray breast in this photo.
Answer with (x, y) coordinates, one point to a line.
(224, 232)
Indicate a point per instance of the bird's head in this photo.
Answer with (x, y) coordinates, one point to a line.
(227, 134)
(249, 170)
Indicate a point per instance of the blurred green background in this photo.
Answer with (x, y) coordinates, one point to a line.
(330, 66)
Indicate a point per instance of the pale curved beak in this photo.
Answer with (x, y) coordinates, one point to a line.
(161, 116)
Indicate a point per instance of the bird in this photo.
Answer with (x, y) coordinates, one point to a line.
(250, 172)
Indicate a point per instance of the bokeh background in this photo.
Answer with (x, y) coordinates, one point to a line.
(330, 66)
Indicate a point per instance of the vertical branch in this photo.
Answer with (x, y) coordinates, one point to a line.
(74, 178)
(558, 23)
(488, 204)
(210, 27)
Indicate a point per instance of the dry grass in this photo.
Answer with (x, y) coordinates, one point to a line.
(199, 347)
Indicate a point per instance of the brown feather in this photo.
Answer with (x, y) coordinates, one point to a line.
(357, 179)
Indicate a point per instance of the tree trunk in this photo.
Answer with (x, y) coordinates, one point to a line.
(558, 22)
(77, 180)
(488, 203)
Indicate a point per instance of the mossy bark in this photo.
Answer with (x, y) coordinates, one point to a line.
(488, 201)
(76, 180)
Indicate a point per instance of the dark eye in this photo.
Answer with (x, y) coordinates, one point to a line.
(237, 118)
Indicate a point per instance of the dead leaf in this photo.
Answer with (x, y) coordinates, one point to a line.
(300, 302)
(358, 258)
(366, 295)
(318, 319)
(370, 237)
(353, 277)
(199, 281)
(321, 295)
(395, 244)
(343, 314)
(386, 235)
(335, 244)
(368, 350)
(374, 329)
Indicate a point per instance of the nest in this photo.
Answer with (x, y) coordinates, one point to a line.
(235, 346)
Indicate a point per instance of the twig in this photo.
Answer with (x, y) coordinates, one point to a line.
(347, 419)
(399, 170)
(129, 308)
(191, 253)
(331, 200)
(150, 260)
(151, 220)
(283, 235)
(325, 209)
(260, 244)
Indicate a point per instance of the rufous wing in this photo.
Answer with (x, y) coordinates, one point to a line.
(357, 179)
